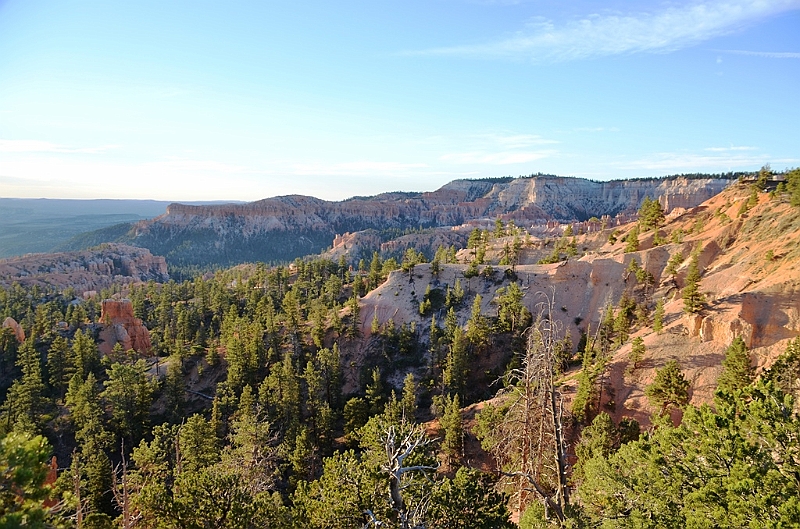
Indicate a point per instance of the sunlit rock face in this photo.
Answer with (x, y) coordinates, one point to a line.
(120, 326)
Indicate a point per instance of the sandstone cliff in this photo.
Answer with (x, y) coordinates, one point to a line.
(282, 228)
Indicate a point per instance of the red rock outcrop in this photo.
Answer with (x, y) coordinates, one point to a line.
(19, 332)
(120, 326)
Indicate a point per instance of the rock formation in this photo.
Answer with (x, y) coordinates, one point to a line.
(120, 326)
(19, 332)
(86, 270)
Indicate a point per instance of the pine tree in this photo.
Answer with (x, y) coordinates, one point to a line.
(129, 394)
(375, 393)
(597, 439)
(670, 389)
(651, 214)
(25, 402)
(637, 353)
(737, 373)
(452, 425)
(60, 365)
(456, 368)
(632, 240)
(478, 326)
(693, 299)
(87, 357)
(658, 316)
(408, 402)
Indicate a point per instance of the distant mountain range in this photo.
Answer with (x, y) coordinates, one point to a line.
(280, 229)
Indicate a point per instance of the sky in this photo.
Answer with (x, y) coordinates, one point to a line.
(235, 100)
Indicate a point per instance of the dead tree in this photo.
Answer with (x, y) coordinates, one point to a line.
(399, 445)
(122, 492)
(530, 446)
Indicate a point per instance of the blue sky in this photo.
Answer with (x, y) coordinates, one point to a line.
(244, 100)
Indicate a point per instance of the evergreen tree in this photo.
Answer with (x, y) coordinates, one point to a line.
(658, 316)
(355, 320)
(375, 395)
(128, 393)
(60, 365)
(23, 471)
(637, 353)
(632, 240)
(408, 402)
(693, 299)
(175, 391)
(456, 368)
(452, 424)
(793, 186)
(478, 326)
(8, 349)
(597, 440)
(198, 444)
(25, 403)
(670, 389)
(87, 357)
(723, 467)
(737, 373)
(785, 372)
(651, 214)
(468, 501)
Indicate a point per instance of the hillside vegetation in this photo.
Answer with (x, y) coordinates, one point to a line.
(585, 375)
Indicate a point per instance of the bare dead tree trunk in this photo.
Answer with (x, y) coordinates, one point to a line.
(122, 492)
(531, 437)
(76, 489)
(400, 446)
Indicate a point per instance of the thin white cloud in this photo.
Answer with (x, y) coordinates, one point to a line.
(193, 166)
(682, 161)
(362, 167)
(731, 148)
(496, 158)
(596, 129)
(22, 146)
(597, 35)
(515, 141)
(767, 54)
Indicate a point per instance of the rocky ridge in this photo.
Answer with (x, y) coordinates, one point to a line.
(86, 270)
(282, 228)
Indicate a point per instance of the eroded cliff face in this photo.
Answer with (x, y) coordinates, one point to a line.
(558, 198)
(283, 228)
(87, 270)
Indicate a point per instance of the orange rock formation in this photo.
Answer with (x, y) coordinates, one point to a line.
(120, 326)
(19, 332)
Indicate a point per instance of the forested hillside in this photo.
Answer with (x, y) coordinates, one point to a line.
(591, 376)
